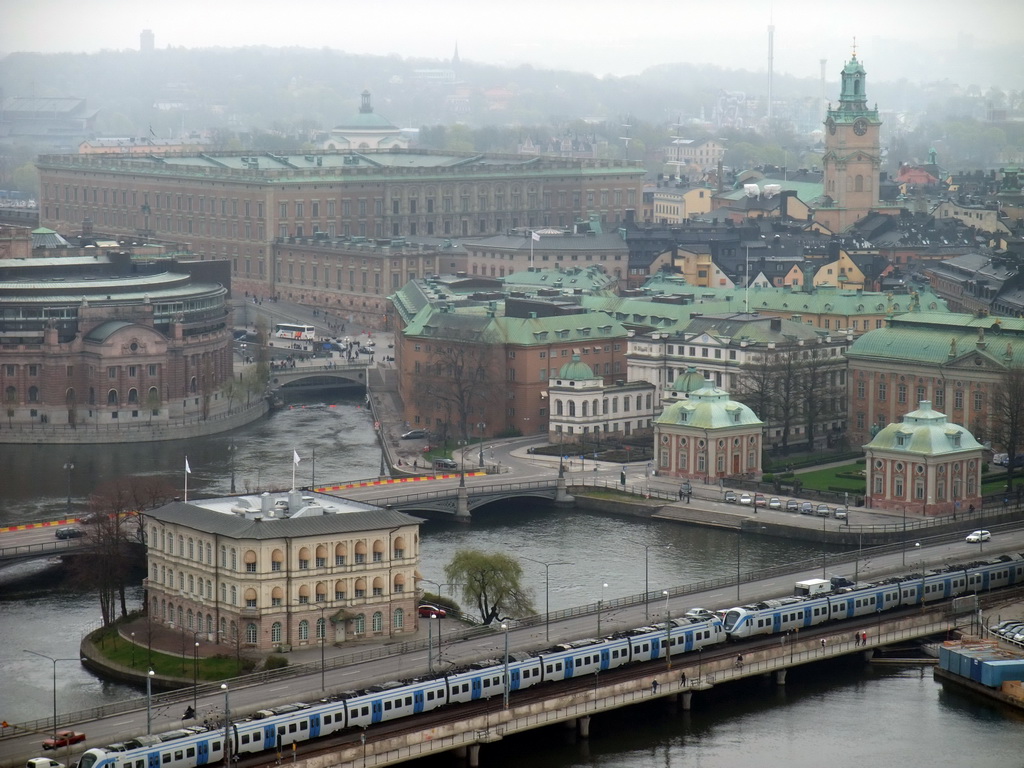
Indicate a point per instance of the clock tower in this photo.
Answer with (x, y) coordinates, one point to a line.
(853, 158)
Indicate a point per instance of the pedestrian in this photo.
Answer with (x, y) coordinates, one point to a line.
(864, 638)
(970, 510)
(680, 493)
(823, 643)
(654, 686)
(856, 638)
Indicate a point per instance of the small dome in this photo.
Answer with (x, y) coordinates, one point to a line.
(689, 381)
(709, 407)
(576, 370)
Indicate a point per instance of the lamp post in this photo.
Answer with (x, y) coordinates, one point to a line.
(227, 726)
(600, 603)
(195, 675)
(481, 426)
(133, 650)
(647, 479)
(54, 661)
(231, 456)
(904, 542)
(547, 585)
(823, 521)
(430, 645)
(504, 628)
(322, 631)
(668, 632)
(69, 465)
(149, 701)
(647, 581)
(739, 535)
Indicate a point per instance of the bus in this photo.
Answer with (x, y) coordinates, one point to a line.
(296, 332)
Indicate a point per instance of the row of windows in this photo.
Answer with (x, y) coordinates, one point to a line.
(590, 408)
(938, 395)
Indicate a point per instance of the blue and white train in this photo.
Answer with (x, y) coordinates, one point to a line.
(278, 727)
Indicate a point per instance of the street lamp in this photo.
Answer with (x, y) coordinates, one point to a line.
(195, 675)
(547, 584)
(149, 701)
(668, 632)
(504, 628)
(321, 630)
(231, 456)
(647, 582)
(52, 659)
(739, 535)
(904, 543)
(69, 465)
(481, 426)
(430, 644)
(600, 603)
(227, 726)
(133, 650)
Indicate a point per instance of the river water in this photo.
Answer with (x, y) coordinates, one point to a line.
(841, 715)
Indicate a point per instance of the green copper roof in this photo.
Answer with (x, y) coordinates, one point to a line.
(690, 381)
(576, 370)
(708, 408)
(925, 432)
(940, 338)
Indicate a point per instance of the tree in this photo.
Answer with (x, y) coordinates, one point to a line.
(493, 582)
(113, 524)
(1008, 416)
(459, 380)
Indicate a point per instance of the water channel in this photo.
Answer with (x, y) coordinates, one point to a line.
(845, 715)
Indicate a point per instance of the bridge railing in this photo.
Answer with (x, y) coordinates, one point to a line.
(41, 548)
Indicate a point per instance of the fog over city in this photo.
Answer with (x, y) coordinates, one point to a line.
(914, 39)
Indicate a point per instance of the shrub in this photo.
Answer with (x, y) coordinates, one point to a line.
(275, 662)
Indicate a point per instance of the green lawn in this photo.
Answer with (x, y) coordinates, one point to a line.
(116, 649)
(829, 479)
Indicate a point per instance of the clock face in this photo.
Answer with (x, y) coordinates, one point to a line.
(860, 126)
(831, 124)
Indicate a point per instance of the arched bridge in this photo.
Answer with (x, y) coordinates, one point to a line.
(461, 501)
(320, 373)
(16, 552)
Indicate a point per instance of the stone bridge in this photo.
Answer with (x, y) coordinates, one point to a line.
(461, 501)
(318, 373)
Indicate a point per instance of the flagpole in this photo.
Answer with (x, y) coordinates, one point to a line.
(294, 465)
(186, 478)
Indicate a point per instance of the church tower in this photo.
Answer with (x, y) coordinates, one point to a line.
(853, 158)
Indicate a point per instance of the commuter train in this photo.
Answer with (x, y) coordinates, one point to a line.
(280, 726)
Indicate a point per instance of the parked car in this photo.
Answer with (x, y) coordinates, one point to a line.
(806, 508)
(792, 505)
(746, 499)
(365, 351)
(1001, 459)
(730, 496)
(426, 611)
(43, 762)
(976, 537)
(760, 501)
(822, 510)
(840, 513)
(774, 503)
(415, 434)
(63, 739)
(69, 532)
(445, 464)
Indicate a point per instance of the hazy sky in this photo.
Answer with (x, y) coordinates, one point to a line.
(598, 36)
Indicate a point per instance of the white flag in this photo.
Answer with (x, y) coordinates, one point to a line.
(188, 469)
(295, 456)
(534, 236)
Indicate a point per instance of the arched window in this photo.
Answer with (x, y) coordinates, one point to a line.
(378, 621)
(112, 397)
(250, 634)
(321, 629)
(133, 396)
(359, 625)
(572, 408)
(558, 408)
(398, 619)
(275, 632)
(10, 395)
(304, 630)
(33, 394)
(584, 408)
(192, 385)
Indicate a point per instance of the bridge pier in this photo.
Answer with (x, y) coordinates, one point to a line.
(686, 700)
(474, 755)
(780, 676)
(583, 724)
(562, 496)
(462, 505)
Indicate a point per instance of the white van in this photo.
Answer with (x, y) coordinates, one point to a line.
(43, 762)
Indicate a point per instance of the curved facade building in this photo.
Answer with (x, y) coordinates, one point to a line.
(94, 344)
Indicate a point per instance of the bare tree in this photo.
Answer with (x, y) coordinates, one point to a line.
(459, 381)
(1008, 416)
(819, 393)
(113, 525)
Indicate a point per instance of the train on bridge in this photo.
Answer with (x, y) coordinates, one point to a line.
(280, 726)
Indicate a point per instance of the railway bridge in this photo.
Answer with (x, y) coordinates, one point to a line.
(469, 730)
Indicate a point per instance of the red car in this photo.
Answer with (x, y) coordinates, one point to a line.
(63, 739)
(426, 611)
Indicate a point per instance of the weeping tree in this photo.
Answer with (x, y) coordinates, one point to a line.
(493, 582)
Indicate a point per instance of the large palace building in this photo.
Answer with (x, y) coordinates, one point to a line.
(256, 209)
(99, 344)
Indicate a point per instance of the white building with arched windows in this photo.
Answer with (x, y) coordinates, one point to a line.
(282, 570)
(708, 436)
(924, 465)
(582, 404)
